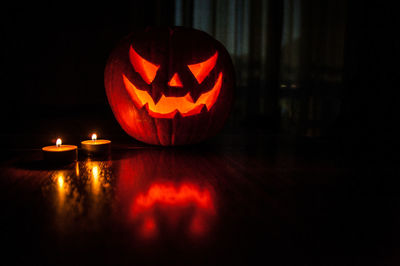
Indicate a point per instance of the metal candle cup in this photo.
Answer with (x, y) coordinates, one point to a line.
(96, 146)
(60, 153)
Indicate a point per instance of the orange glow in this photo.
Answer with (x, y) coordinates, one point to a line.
(60, 181)
(146, 69)
(167, 107)
(149, 228)
(77, 168)
(95, 172)
(62, 188)
(201, 70)
(198, 225)
(175, 81)
(173, 198)
(170, 195)
(96, 178)
(173, 201)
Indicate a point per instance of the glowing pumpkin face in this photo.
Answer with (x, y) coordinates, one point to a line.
(169, 106)
(170, 86)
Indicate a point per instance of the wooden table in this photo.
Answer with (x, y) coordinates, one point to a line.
(248, 200)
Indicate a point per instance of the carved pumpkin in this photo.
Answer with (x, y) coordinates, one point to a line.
(170, 86)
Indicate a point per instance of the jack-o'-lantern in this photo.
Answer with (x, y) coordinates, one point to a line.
(170, 86)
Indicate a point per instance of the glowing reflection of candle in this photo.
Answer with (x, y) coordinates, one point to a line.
(77, 169)
(61, 187)
(95, 172)
(60, 182)
(95, 180)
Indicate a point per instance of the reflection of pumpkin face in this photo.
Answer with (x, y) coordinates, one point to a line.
(170, 86)
(174, 197)
(171, 202)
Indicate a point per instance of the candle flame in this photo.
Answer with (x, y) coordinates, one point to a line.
(58, 142)
(94, 137)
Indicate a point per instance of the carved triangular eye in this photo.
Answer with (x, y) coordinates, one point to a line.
(146, 69)
(201, 70)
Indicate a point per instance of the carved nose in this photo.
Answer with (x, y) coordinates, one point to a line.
(175, 81)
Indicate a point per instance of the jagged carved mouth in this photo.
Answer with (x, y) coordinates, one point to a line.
(169, 106)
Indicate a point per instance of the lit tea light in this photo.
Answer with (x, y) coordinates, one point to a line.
(60, 153)
(96, 146)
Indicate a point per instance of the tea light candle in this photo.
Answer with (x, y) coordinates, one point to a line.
(60, 153)
(96, 146)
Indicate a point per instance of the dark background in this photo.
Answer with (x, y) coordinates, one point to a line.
(53, 58)
(309, 155)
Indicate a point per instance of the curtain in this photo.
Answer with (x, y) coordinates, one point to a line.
(312, 58)
(288, 55)
(251, 32)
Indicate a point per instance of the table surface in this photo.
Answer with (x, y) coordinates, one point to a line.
(242, 202)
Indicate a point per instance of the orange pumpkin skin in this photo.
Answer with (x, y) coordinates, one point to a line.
(170, 86)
